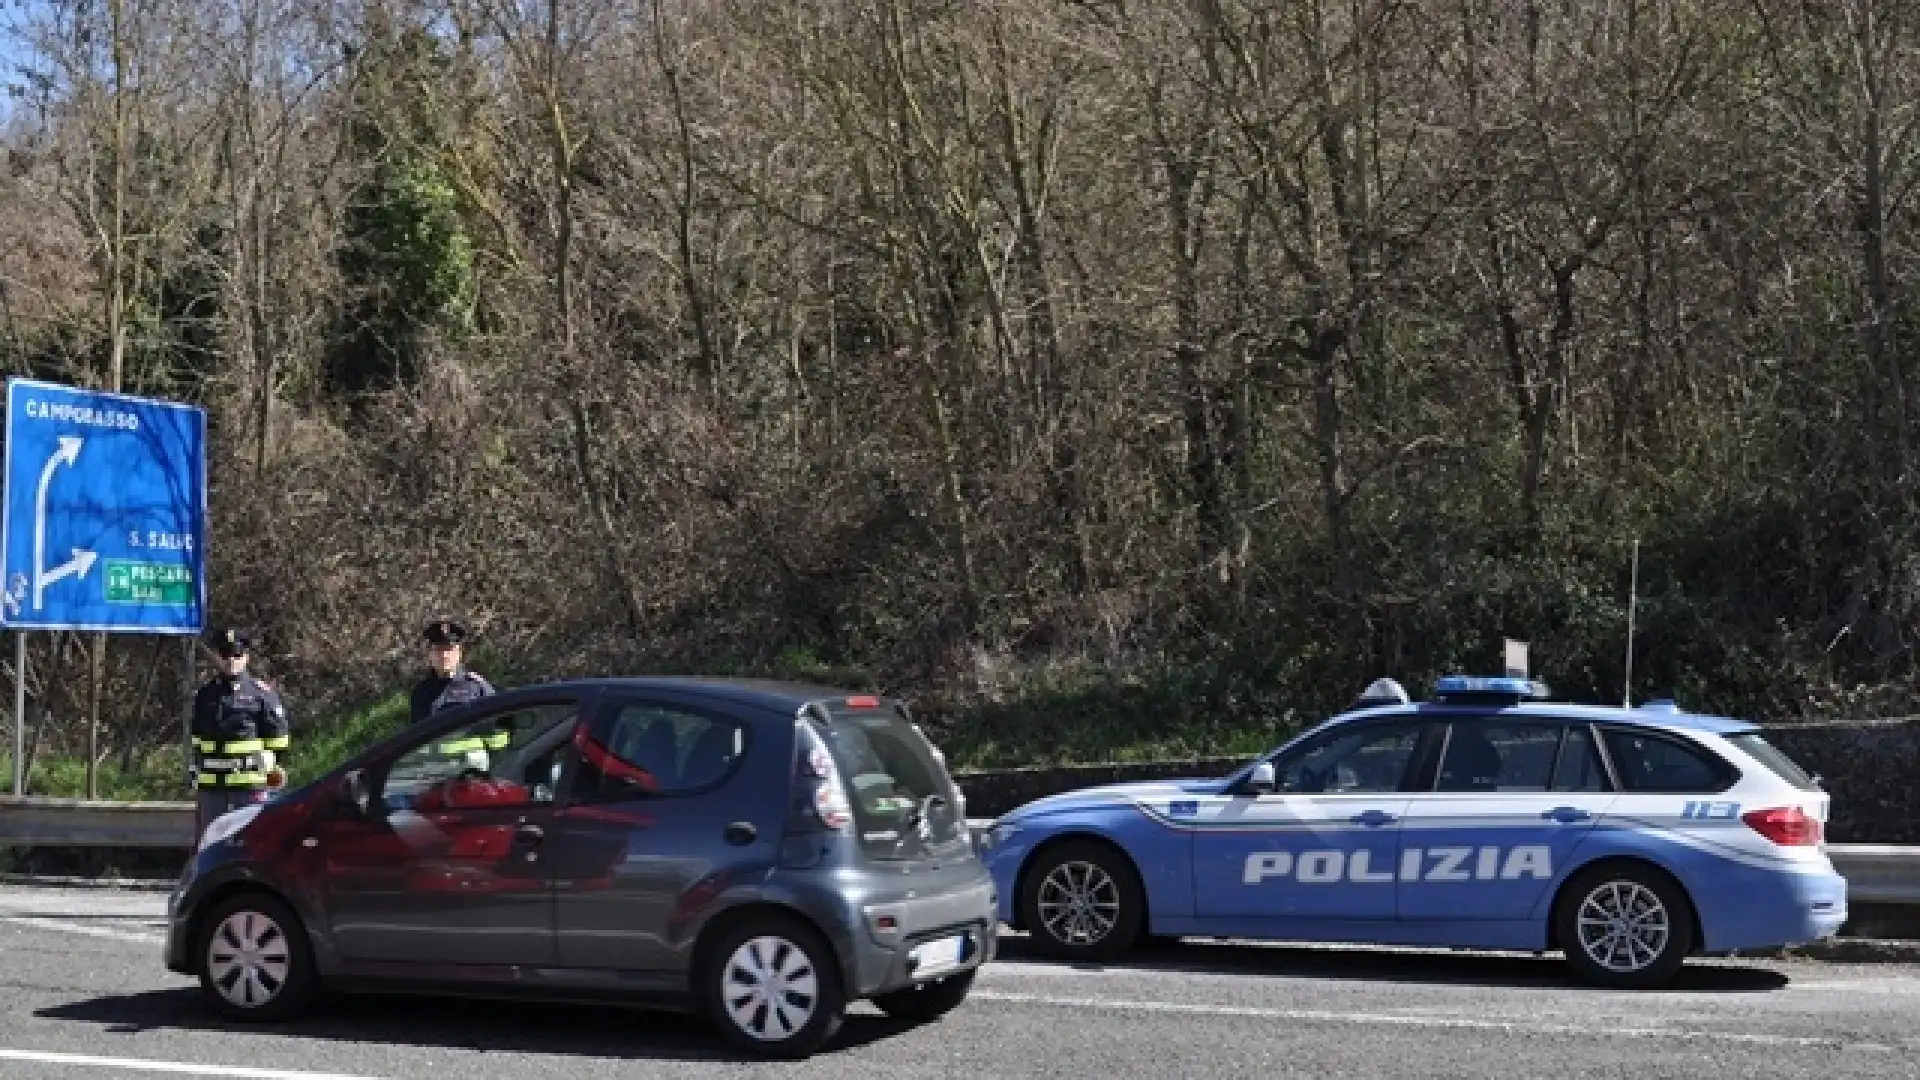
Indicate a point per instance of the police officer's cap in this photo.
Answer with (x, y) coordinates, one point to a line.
(233, 641)
(446, 632)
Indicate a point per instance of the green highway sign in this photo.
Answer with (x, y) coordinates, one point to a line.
(147, 583)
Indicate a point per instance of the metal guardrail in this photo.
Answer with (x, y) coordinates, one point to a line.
(1878, 873)
(37, 822)
(1875, 873)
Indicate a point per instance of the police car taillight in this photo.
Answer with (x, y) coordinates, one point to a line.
(1788, 826)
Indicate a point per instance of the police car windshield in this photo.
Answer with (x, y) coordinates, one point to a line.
(903, 800)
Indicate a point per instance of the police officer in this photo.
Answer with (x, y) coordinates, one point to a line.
(239, 731)
(450, 683)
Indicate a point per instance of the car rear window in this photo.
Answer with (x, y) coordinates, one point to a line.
(905, 805)
(1756, 746)
(1648, 762)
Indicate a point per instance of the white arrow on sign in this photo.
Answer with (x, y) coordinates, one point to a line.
(82, 560)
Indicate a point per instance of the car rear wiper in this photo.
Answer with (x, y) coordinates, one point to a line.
(923, 810)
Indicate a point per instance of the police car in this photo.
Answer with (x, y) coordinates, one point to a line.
(1489, 817)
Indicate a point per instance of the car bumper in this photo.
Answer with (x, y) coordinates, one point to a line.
(1769, 911)
(900, 943)
(179, 945)
(200, 878)
(1003, 854)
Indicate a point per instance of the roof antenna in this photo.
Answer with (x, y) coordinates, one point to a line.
(1633, 596)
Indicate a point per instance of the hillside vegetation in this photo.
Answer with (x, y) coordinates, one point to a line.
(1109, 377)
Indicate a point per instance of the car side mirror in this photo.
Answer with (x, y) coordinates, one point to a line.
(1261, 780)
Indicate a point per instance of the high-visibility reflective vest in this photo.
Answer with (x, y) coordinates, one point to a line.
(230, 764)
(465, 744)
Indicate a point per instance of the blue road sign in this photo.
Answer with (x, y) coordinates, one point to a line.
(104, 521)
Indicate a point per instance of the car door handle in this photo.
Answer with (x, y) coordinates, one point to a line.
(1373, 817)
(531, 834)
(1566, 814)
(741, 833)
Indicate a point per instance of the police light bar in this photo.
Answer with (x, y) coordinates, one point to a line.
(1459, 685)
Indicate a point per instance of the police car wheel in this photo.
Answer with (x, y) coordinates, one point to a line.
(255, 963)
(1624, 925)
(928, 1001)
(773, 986)
(1082, 901)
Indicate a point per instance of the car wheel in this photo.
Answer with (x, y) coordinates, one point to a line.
(1624, 925)
(773, 987)
(255, 962)
(1082, 901)
(928, 1001)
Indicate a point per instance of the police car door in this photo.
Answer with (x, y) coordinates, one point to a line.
(1513, 798)
(1323, 845)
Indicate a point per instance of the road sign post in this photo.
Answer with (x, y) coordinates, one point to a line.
(19, 713)
(104, 519)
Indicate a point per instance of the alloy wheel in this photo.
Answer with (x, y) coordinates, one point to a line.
(1079, 903)
(1623, 926)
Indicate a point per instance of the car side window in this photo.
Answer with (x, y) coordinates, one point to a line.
(1358, 761)
(1498, 754)
(648, 751)
(505, 758)
(1646, 762)
(1579, 767)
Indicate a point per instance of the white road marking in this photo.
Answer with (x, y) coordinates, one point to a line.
(1893, 985)
(24, 902)
(188, 1067)
(1431, 1020)
(65, 927)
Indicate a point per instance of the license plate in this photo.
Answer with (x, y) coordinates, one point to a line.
(939, 956)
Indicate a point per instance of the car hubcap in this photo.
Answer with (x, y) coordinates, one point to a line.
(1623, 926)
(1079, 903)
(771, 988)
(248, 959)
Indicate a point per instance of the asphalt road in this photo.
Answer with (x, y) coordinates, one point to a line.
(83, 994)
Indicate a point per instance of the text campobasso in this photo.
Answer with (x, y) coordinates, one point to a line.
(81, 414)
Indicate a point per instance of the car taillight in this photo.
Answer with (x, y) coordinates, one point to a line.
(1788, 826)
(831, 804)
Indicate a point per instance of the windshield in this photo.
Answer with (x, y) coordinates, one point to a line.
(905, 806)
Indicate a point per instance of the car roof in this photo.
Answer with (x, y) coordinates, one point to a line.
(779, 695)
(1655, 718)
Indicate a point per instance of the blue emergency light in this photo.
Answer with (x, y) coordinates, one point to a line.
(1497, 686)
